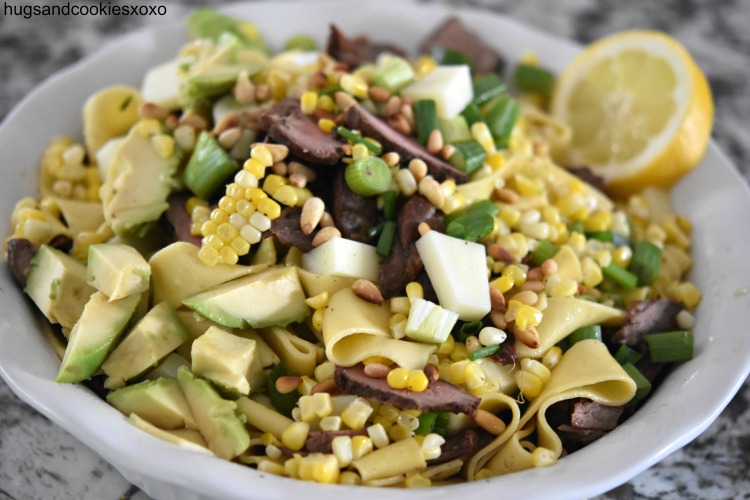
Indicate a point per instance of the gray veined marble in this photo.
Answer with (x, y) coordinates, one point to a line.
(38, 460)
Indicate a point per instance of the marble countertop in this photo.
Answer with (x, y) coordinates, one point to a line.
(38, 460)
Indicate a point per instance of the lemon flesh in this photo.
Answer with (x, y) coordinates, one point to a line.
(639, 108)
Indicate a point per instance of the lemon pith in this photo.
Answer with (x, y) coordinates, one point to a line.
(640, 109)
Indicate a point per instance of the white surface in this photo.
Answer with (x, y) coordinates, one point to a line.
(714, 197)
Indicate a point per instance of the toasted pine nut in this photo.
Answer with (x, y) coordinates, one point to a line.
(379, 94)
(549, 266)
(472, 343)
(326, 220)
(499, 252)
(506, 195)
(262, 92)
(408, 113)
(150, 110)
(296, 167)
(288, 383)
(423, 228)
(231, 119)
(430, 189)
(528, 337)
(399, 123)
(418, 169)
(229, 137)
(377, 370)
(497, 300)
(328, 386)
(392, 159)
(527, 297)
(312, 212)
(447, 151)
(435, 141)
(535, 274)
(498, 319)
(432, 372)
(325, 234)
(279, 168)
(298, 180)
(393, 106)
(489, 422)
(535, 286)
(244, 90)
(344, 101)
(367, 290)
(195, 121)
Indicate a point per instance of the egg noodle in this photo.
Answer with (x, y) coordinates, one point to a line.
(330, 304)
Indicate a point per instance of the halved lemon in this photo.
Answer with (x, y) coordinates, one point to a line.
(640, 109)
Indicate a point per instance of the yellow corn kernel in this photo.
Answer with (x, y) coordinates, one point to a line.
(537, 368)
(455, 202)
(424, 65)
(516, 273)
(378, 435)
(354, 85)
(254, 195)
(360, 151)
(577, 241)
(474, 375)
(417, 381)
(350, 478)
(317, 319)
(687, 293)
(295, 435)
(414, 291)
(291, 466)
(219, 216)
(342, 450)
(303, 194)
(262, 154)
(528, 186)
(459, 352)
(227, 232)
(254, 167)
(163, 145)
(209, 256)
(326, 125)
(361, 446)
(481, 133)
(495, 160)
(324, 371)
(400, 305)
(319, 468)
(591, 272)
(287, 195)
(457, 370)
(417, 481)
(322, 402)
(274, 182)
(552, 357)
(271, 467)
(447, 346)
(330, 423)
(565, 287)
(543, 457)
(599, 220)
(147, 128)
(622, 255)
(235, 191)
(228, 204)
(228, 255)
(398, 378)
(308, 102)
(399, 433)
(269, 208)
(529, 384)
(326, 103)
(240, 245)
(356, 414)
(251, 234)
(318, 301)
(503, 283)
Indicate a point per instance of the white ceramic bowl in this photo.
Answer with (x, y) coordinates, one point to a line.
(713, 196)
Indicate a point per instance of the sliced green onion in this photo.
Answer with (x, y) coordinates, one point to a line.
(428, 322)
(642, 385)
(544, 250)
(468, 329)
(284, 403)
(605, 236)
(483, 352)
(646, 262)
(577, 227)
(627, 355)
(454, 129)
(452, 57)
(487, 87)
(473, 223)
(534, 79)
(389, 204)
(670, 347)
(385, 242)
(425, 119)
(584, 333)
(620, 276)
(393, 73)
(373, 232)
(368, 176)
(208, 167)
(301, 42)
(468, 157)
(348, 134)
(472, 114)
(482, 206)
(617, 300)
(501, 118)
(426, 423)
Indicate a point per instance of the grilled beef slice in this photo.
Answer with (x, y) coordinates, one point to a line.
(286, 228)
(581, 421)
(178, 220)
(452, 34)
(462, 444)
(648, 316)
(439, 395)
(358, 118)
(20, 253)
(352, 213)
(355, 51)
(285, 123)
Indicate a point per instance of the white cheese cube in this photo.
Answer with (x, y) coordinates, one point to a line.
(458, 272)
(343, 257)
(161, 85)
(449, 86)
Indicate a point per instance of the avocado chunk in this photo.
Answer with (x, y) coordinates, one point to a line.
(208, 167)
(159, 401)
(272, 297)
(208, 23)
(100, 325)
(229, 361)
(157, 334)
(138, 182)
(167, 367)
(218, 419)
(56, 282)
(177, 272)
(196, 325)
(117, 270)
(185, 438)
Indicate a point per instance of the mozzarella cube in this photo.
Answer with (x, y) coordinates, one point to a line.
(343, 257)
(449, 86)
(458, 272)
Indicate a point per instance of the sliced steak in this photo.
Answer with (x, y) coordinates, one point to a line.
(320, 441)
(285, 123)
(286, 228)
(352, 213)
(416, 210)
(574, 438)
(20, 253)
(439, 395)
(592, 415)
(589, 177)
(648, 316)
(452, 34)
(178, 220)
(358, 118)
(461, 445)
(355, 51)
(580, 422)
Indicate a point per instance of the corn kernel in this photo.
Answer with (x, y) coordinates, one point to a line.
(260, 221)
(147, 128)
(400, 305)
(592, 273)
(228, 255)
(414, 291)
(622, 255)
(543, 457)
(537, 368)
(517, 274)
(417, 481)
(271, 467)
(356, 414)
(274, 182)
(251, 234)
(474, 375)
(236, 191)
(209, 256)
(529, 384)
(227, 232)
(318, 301)
(240, 245)
(163, 145)
(269, 208)
(317, 319)
(360, 151)
(565, 287)
(308, 102)
(457, 370)
(399, 433)
(330, 423)
(291, 466)
(342, 450)
(350, 478)
(459, 352)
(378, 435)
(219, 216)
(447, 346)
(417, 381)
(254, 167)
(361, 446)
(354, 85)
(326, 125)
(287, 195)
(552, 357)
(295, 435)
(599, 220)
(319, 468)
(244, 180)
(503, 283)
(324, 371)
(398, 378)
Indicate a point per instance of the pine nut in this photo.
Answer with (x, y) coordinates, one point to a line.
(377, 370)
(379, 94)
(328, 386)
(497, 300)
(418, 169)
(312, 213)
(231, 119)
(195, 121)
(423, 228)
(535, 274)
(392, 159)
(535, 286)
(499, 252)
(262, 92)
(344, 101)
(489, 422)
(279, 168)
(472, 343)
(432, 372)
(325, 234)
(506, 195)
(435, 142)
(279, 152)
(498, 319)
(298, 180)
(229, 137)
(527, 297)
(447, 151)
(393, 106)
(288, 383)
(430, 189)
(367, 290)
(296, 167)
(400, 124)
(150, 110)
(549, 266)
(528, 337)
(326, 220)
(244, 90)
